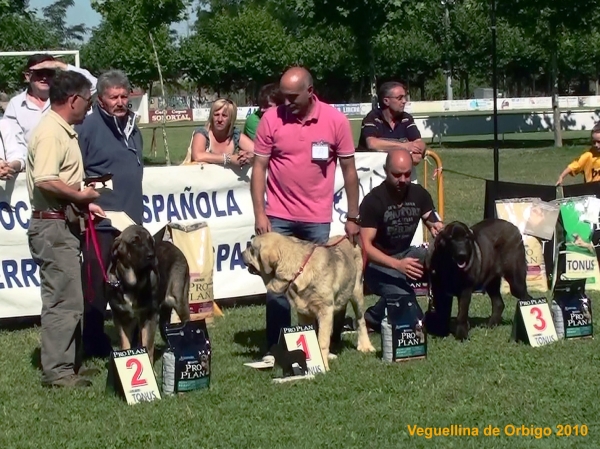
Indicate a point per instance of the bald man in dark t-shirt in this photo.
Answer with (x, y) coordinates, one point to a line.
(389, 218)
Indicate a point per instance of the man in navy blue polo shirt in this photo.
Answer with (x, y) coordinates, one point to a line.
(390, 128)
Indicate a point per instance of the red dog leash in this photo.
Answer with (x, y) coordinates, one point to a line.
(328, 245)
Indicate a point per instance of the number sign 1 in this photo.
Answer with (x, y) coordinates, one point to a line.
(533, 323)
(301, 344)
(305, 338)
(132, 376)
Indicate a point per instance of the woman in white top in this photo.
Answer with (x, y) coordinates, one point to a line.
(220, 141)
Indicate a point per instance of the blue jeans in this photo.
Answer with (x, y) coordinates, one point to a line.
(278, 307)
(388, 283)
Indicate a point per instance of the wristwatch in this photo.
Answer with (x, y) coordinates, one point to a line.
(354, 219)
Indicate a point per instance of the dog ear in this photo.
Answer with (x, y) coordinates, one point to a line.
(114, 250)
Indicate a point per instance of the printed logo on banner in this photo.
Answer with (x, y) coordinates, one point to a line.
(340, 203)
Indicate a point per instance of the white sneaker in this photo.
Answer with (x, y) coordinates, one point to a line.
(268, 359)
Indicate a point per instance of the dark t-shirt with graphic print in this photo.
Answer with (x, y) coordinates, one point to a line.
(396, 221)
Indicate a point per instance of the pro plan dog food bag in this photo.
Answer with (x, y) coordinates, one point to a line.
(518, 211)
(572, 310)
(187, 360)
(402, 331)
(577, 258)
(194, 240)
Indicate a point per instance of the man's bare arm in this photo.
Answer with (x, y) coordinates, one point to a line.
(348, 167)
(59, 189)
(258, 184)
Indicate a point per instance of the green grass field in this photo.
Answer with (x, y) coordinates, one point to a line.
(362, 402)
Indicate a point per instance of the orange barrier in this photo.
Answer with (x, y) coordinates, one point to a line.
(439, 177)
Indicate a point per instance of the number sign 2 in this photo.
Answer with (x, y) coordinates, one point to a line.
(533, 323)
(131, 375)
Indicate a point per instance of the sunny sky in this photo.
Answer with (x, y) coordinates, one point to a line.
(82, 12)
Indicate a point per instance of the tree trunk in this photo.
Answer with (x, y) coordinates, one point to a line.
(162, 94)
(467, 85)
(555, 108)
(373, 78)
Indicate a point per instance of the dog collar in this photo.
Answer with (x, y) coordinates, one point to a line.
(309, 255)
(114, 284)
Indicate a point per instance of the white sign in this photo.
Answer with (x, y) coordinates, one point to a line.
(534, 323)
(134, 376)
(220, 196)
(305, 338)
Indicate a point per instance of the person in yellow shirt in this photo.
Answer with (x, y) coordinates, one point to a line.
(588, 163)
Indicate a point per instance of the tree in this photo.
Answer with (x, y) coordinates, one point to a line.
(241, 50)
(519, 56)
(55, 17)
(366, 20)
(546, 21)
(20, 7)
(148, 16)
(129, 51)
(21, 31)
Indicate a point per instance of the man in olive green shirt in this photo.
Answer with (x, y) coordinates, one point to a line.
(268, 96)
(54, 177)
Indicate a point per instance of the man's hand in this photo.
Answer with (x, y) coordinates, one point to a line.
(96, 210)
(6, 171)
(262, 224)
(411, 267)
(88, 194)
(560, 181)
(49, 65)
(435, 228)
(352, 231)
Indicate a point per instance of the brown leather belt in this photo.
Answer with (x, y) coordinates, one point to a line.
(48, 215)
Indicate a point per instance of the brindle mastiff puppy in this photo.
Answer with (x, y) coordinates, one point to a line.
(147, 279)
(463, 259)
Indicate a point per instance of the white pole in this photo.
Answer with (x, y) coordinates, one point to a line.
(49, 52)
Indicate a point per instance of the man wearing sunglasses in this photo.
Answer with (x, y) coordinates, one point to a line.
(26, 109)
(54, 177)
(389, 127)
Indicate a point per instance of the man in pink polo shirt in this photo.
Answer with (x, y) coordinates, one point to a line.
(299, 143)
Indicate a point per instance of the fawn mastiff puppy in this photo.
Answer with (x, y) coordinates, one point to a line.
(147, 279)
(317, 280)
(463, 259)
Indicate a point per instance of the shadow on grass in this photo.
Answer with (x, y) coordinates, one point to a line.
(474, 323)
(253, 341)
(508, 143)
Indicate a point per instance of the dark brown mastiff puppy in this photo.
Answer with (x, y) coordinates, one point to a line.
(462, 260)
(146, 281)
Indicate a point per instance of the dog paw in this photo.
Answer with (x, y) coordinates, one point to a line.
(494, 321)
(365, 347)
(462, 332)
